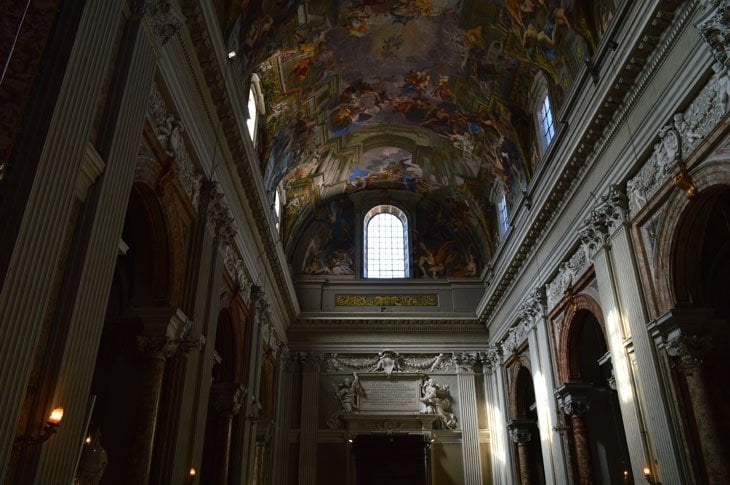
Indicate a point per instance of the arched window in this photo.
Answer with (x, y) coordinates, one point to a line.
(542, 109)
(502, 214)
(254, 107)
(386, 243)
(545, 118)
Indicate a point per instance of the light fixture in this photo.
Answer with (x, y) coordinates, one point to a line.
(191, 475)
(647, 475)
(232, 54)
(51, 426)
(88, 440)
(349, 440)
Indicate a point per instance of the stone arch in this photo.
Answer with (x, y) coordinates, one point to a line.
(576, 312)
(671, 266)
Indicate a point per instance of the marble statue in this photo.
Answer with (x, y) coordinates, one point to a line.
(347, 393)
(435, 400)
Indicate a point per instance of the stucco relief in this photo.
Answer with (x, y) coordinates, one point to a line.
(568, 273)
(680, 137)
(389, 361)
(168, 129)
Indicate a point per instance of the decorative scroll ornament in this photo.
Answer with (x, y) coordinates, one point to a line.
(227, 397)
(492, 358)
(311, 360)
(168, 129)
(515, 336)
(679, 138)
(158, 346)
(467, 361)
(388, 362)
(533, 307)
(237, 269)
(715, 29)
(519, 431)
(569, 273)
(164, 19)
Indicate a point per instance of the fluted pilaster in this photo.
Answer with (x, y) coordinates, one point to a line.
(469, 424)
(26, 291)
(309, 424)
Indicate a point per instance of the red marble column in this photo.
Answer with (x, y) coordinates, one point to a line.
(582, 450)
(157, 350)
(227, 398)
(521, 435)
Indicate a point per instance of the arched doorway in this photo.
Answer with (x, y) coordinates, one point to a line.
(589, 400)
(695, 259)
(227, 393)
(524, 429)
(127, 386)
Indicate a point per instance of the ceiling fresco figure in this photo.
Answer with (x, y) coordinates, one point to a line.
(450, 74)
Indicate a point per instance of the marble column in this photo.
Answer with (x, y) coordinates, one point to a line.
(162, 331)
(469, 423)
(576, 405)
(227, 398)
(27, 287)
(501, 430)
(310, 417)
(520, 433)
(684, 335)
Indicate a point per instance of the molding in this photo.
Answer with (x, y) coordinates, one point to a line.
(640, 65)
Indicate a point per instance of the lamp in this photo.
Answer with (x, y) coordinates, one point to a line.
(51, 426)
(647, 475)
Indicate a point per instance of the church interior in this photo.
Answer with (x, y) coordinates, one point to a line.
(323, 242)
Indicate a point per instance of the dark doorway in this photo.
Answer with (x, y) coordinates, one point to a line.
(390, 460)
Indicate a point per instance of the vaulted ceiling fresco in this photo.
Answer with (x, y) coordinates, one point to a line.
(426, 96)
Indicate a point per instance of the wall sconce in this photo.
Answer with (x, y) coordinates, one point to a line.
(52, 424)
(191, 475)
(647, 475)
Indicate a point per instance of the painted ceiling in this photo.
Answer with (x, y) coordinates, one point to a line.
(426, 96)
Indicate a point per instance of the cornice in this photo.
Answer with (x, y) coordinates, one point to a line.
(626, 87)
(216, 86)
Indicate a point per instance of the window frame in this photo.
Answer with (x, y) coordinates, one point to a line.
(399, 214)
(503, 213)
(541, 106)
(254, 100)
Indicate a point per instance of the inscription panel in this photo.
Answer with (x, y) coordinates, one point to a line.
(390, 395)
(386, 300)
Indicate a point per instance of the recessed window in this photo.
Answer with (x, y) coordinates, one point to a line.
(545, 119)
(277, 209)
(252, 115)
(386, 243)
(502, 214)
(254, 106)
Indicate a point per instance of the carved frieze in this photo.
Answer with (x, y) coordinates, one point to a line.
(164, 19)
(492, 358)
(680, 137)
(386, 300)
(715, 29)
(237, 269)
(569, 273)
(389, 362)
(168, 129)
